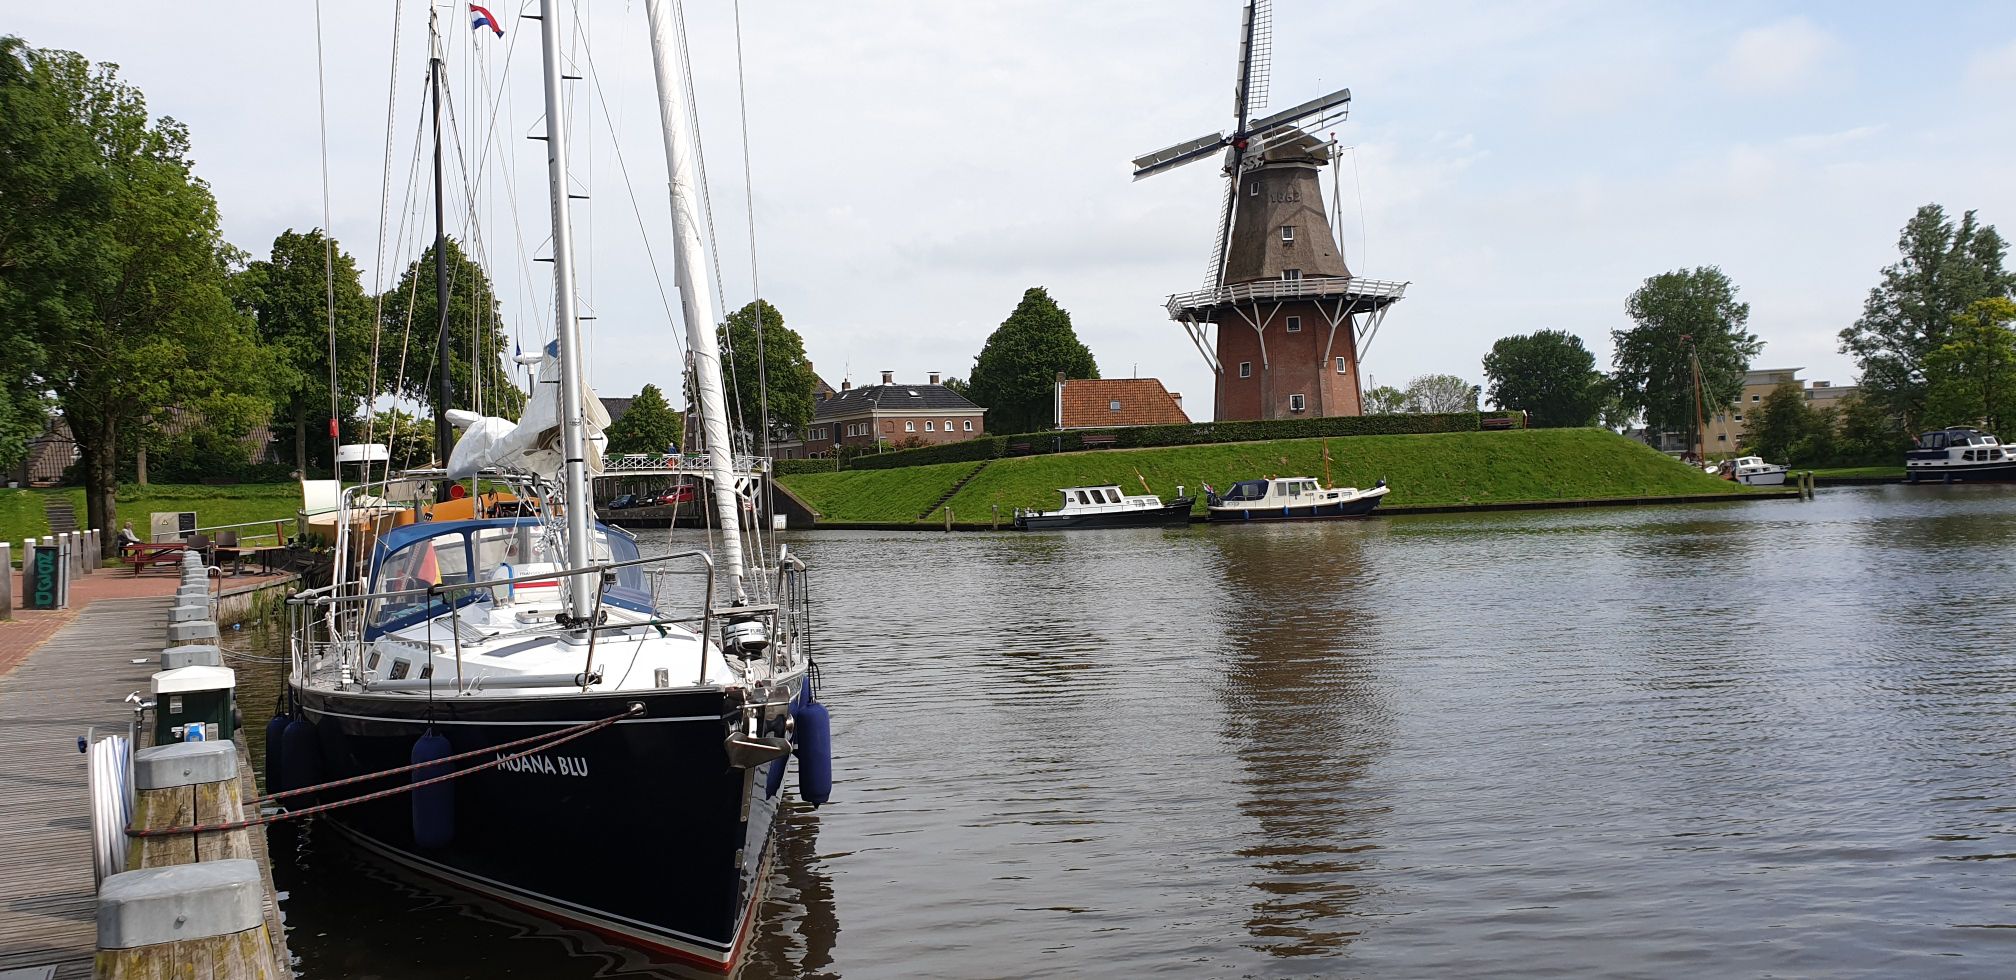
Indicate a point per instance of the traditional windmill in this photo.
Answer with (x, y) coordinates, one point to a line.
(1292, 321)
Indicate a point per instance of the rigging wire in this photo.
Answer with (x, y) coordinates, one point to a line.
(755, 287)
(378, 257)
(650, 256)
(328, 246)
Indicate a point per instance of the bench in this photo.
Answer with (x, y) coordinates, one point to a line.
(143, 555)
(1499, 422)
(1098, 441)
(1018, 449)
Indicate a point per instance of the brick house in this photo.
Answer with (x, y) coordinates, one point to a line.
(1106, 404)
(892, 414)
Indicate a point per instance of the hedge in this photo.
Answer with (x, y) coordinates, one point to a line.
(1140, 437)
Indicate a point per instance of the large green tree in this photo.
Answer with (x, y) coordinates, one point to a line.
(288, 293)
(1782, 421)
(648, 426)
(1548, 375)
(785, 369)
(1015, 374)
(116, 289)
(475, 326)
(1676, 315)
(1971, 377)
(1385, 400)
(408, 438)
(1440, 393)
(1943, 267)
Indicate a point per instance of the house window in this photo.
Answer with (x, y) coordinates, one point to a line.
(1245, 369)
(969, 425)
(1721, 418)
(1291, 275)
(1287, 234)
(1722, 438)
(1113, 406)
(1343, 366)
(1253, 189)
(1294, 324)
(909, 426)
(930, 426)
(1755, 397)
(1739, 418)
(886, 427)
(948, 425)
(1296, 403)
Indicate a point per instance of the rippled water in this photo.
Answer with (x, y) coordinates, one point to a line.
(1747, 739)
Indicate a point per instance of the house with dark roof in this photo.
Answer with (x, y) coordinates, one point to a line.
(891, 413)
(1115, 403)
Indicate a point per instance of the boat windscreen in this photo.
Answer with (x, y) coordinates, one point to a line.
(1248, 490)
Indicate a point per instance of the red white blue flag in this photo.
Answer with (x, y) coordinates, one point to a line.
(480, 17)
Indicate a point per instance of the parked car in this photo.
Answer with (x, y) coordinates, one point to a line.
(682, 494)
(621, 503)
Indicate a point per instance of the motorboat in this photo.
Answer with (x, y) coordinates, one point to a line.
(1295, 498)
(1959, 453)
(1752, 471)
(1107, 506)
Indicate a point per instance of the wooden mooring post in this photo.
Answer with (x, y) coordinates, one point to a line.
(189, 920)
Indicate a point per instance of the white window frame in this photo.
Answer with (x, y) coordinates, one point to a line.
(1287, 234)
(948, 425)
(909, 426)
(930, 426)
(1245, 369)
(1297, 403)
(1291, 275)
(1253, 189)
(1293, 324)
(1343, 366)
(969, 425)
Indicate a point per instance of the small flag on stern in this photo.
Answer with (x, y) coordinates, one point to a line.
(481, 17)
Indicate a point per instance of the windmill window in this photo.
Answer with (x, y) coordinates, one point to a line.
(930, 426)
(1296, 403)
(969, 425)
(909, 426)
(1343, 366)
(1291, 275)
(1253, 189)
(1288, 234)
(1294, 324)
(1245, 369)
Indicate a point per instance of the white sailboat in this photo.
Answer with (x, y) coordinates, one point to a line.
(619, 754)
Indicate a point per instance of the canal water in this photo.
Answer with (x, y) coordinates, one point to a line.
(1768, 738)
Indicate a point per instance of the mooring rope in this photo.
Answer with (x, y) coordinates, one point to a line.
(546, 741)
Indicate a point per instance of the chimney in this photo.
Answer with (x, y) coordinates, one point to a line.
(1177, 397)
(888, 377)
(934, 377)
(846, 383)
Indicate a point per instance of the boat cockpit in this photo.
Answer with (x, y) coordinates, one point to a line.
(513, 553)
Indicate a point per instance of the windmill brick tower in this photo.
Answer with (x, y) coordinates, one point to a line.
(1281, 320)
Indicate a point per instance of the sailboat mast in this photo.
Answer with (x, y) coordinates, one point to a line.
(566, 328)
(444, 390)
(696, 301)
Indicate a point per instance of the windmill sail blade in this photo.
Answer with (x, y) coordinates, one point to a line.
(1178, 155)
(1214, 277)
(1259, 57)
(1313, 107)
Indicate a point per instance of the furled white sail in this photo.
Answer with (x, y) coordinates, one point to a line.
(534, 443)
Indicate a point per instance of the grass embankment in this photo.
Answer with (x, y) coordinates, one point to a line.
(21, 512)
(1431, 470)
(1859, 473)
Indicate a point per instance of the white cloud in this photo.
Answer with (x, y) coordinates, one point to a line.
(1994, 65)
(1786, 56)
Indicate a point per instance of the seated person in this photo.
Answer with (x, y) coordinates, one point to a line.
(127, 539)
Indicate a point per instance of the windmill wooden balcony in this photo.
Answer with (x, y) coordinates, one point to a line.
(1340, 299)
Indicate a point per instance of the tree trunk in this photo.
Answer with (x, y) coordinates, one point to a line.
(99, 442)
(140, 466)
(301, 435)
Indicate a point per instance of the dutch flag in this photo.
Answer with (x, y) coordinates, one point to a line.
(480, 17)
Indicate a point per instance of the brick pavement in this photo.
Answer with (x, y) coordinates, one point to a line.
(30, 627)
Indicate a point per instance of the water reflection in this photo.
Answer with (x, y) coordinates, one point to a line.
(1301, 704)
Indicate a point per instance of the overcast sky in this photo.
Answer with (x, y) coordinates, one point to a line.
(917, 166)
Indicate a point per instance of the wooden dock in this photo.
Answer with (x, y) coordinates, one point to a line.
(77, 679)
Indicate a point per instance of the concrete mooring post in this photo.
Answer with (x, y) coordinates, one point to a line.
(27, 564)
(6, 581)
(190, 920)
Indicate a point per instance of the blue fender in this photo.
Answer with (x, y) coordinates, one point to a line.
(301, 756)
(433, 806)
(276, 737)
(815, 750)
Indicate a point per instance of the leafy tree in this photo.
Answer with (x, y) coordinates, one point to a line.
(116, 294)
(1616, 413)
(1385, 400)
(1942, 269)
(289, 298)
(410, 332)
(1676, 315)
(1016, 371)
(1868, 433)
(408, 438)
(1781, 421)
(1971, 378)
(1440, 393)
(788, 371)
(959, 387)
(649, 426)
(1548, 375)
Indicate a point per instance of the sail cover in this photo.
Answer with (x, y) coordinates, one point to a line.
(531, 444)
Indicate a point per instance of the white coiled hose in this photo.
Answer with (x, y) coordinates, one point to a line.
(111, 804)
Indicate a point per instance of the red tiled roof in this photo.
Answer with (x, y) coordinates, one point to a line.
(1142, 401)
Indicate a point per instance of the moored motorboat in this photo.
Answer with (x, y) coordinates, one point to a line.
(1297, 498)
(1959, 453)
(1105, 507)
(1752, 471)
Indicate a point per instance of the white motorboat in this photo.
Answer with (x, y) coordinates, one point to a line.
(1296, 498)
(1752, 471)
(1096, 507)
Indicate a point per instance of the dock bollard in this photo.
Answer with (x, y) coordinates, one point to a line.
(181, 785)
(192, 632)
(196, 919)
(191, 655)
(6, 581)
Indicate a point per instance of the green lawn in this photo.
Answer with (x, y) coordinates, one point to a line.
(1884, 472)
(21, 513)
(1438, 469)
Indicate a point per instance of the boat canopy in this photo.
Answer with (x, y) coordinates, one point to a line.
(1247, 490)
(503, 551)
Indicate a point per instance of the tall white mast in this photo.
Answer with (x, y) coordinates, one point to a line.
(690, 275)
(566, 329)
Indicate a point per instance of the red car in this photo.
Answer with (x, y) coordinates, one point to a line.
(676, 495)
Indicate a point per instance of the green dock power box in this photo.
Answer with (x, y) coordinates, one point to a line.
(193, 695)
